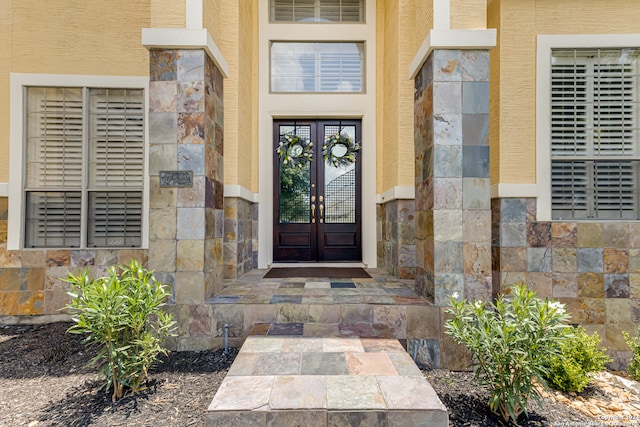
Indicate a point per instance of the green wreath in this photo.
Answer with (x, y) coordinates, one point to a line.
(340, 139)
(295, 151)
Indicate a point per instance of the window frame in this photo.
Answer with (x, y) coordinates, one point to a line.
(19, 82)
(361, 46)
(593, 166)
(545, 45)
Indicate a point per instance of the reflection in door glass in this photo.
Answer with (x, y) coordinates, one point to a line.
(295, 183)
(340, 183)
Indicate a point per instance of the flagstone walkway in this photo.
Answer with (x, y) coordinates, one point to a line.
(324, 381)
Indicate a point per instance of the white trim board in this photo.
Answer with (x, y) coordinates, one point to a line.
(441, 14)
(180, 38)
(4, 189)
(234, 190)
(513, 190)
(193, 14)
(396, 193)
(547, 42)
(449, 40)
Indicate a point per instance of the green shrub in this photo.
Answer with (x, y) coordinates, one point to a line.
(509, 341)
(634, 365)
(121, 315)
(580, 357)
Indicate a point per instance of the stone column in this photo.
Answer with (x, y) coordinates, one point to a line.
(453, 201)
(240, 253)
(396, 238)
(186, 224)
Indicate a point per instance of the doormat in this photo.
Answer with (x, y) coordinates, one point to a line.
(328, 272)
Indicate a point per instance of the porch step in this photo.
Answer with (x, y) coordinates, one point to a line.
(323, 302)
(324, 381)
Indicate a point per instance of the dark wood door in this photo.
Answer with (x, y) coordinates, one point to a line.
(317, 195)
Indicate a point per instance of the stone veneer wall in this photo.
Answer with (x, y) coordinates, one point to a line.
(453, 202)
(186, 224)
(30, 285)
(396, 238)
(592, 267)
(240, 237)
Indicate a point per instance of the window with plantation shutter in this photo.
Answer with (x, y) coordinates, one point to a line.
(351, 11)
(595, 156)
(84, 167)
(317, 67)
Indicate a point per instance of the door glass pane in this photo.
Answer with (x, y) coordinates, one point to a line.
(340, 182)
(295, 182)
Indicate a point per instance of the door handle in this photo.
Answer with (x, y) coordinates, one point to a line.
(321, 213)
(313, 213)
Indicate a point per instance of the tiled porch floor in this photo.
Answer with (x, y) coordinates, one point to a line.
(381, 288)
(380, 306)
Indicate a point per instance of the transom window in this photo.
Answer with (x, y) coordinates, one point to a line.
(317, 11)
(317, 67)
(84, 167)
(594, 134)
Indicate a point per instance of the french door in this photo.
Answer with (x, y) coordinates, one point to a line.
(317, 190)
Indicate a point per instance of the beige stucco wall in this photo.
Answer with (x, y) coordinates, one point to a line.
(247, 142)
(396, 47)
(214, 16)
(520, 21)
(79, 37)
(423, 20)
(387, 140)
(468, 14)
(235, 29)
(5, 69)
(380, 46)
(167, 13)
(224, 28)
(493, 21)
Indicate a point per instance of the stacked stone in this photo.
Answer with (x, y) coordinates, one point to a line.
(186, 224)
(453, 212)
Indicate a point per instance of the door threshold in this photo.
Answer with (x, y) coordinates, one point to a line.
(318, 264)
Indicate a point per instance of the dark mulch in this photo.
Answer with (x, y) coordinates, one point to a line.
(467, 404)
(44, 382)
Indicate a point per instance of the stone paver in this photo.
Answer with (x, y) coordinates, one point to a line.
(321, 381)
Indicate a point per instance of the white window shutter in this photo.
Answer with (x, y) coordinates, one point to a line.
(115, 219)
(340, 71)
(53, 219)
(116, 138)
(54, 138)
(317, 67)
(317, 10)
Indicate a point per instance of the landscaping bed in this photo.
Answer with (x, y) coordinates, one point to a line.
(44, 382)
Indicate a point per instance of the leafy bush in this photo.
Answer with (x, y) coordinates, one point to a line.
(121, 315)
(580, 357)
(634, 365)
(509, 340)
